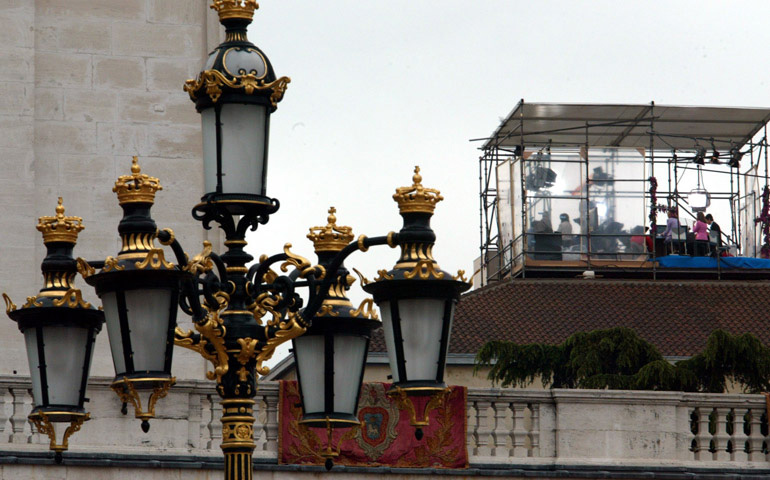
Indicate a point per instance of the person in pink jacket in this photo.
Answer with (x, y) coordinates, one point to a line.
(701, 231)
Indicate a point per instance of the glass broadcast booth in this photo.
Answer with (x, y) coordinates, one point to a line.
(568, 188)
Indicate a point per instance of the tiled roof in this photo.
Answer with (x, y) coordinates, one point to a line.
(676, 316)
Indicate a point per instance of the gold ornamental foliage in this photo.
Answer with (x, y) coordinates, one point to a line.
(212, 82)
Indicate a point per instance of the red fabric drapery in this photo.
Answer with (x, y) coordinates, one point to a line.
(386, 438)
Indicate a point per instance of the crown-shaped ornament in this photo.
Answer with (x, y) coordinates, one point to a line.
(417, 198)
(60, 228)
(137, 187)
(330, 238)
(227, 9)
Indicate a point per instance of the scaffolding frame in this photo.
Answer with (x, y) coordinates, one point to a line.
(669, 135)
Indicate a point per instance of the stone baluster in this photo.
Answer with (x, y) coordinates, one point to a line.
(19, 415)
(519, 431)
(215, 425)
(703, 437)
(755, 437)
(502, 430)
(739, 436)
(206, 419)
(720, 436)
(194, 412)
(534, 431)
(470, 427)
(483, 432)
(271, 422)
(3, 415)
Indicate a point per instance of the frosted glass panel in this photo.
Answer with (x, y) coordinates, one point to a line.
(65, 350)
(309, 351)
(349, 353)
(112, 319)
(209, 134)
(243, 148)
(148, 312)
(421, 321)
(30, 338)
(390, 344)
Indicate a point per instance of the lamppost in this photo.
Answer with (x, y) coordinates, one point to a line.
(240, 313)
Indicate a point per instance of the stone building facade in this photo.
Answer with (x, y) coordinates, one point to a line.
(86, 85)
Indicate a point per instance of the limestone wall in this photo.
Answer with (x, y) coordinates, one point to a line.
(87, 84)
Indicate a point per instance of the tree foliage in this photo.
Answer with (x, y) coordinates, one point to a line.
(618, 358)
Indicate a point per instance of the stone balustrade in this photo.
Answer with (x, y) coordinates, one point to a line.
(504, 426)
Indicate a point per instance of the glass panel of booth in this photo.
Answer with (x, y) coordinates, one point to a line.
(575, 202)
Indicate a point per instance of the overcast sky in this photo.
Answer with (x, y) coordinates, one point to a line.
(378, 87)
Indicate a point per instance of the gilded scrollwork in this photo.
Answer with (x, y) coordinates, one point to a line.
(402, 400)
(383, 275)
(362, 278)
(72, 298)
(32, 302)
(9, 305)
(248, 346)
(365, 310)
(127, 393)
(84, 268)
(45, 427)
(288, 330)
(213, 81)
(265, 304)
(300, 263)
(112, 263)
(460, 276)
(212, 333)
(424, 269)
(202, 262)
(327, 309)
(155, 259)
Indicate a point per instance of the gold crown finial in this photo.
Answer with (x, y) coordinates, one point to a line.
(137, 187)
(330, 238)
(417, 198)
(227, 9)
(60, 228)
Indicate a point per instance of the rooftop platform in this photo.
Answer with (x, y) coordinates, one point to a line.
(566, 188)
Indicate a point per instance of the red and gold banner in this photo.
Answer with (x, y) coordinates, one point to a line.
(385, 439)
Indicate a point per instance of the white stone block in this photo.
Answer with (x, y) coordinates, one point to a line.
(16, 64)
(169, 74)
(18, 23)
(175, 141)
(65, 137)
(119, 72)
(16, 132)
(92, 9)
(121, 139)
(49, 103)
(176, 12)
(132, 38)
(56, 69)
(158, 108)
(90, 105)
(74, 35)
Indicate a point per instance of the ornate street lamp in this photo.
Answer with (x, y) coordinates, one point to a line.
(235, 94)
(332, 353)
(417, 300)
(240, 314)
(140, 293)
(59, 329)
